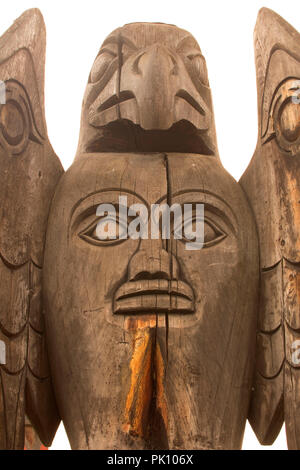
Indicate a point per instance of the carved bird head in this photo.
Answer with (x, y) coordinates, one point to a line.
(148, 90)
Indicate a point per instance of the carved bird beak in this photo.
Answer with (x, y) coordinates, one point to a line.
(155, 92)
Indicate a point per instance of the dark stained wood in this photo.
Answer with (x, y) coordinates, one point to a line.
(152, 346)
(272, 186)
(29, 172)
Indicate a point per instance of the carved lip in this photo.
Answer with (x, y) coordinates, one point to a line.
(154, 296)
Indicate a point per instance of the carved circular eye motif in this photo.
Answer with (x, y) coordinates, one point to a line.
(13, 123)
(17, 125)
(284, 120)
(101, 65)
(290, 121)
(199, 65)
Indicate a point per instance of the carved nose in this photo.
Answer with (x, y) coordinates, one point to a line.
(153, 262)
(155, 92)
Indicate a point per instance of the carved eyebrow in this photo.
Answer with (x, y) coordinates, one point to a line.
(98, 194)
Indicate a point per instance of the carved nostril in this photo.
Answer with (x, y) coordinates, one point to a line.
(145, 266)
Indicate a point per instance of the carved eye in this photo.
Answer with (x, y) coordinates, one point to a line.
(284, 118)
(12, 122)
(101, 65)
(199, 64)
(105, 231)
(17, 123)
(189, 232)
(290, 121)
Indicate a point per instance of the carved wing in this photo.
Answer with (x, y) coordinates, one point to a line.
(272, 183)
(29, 173)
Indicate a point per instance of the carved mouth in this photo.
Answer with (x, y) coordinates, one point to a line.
(154, 296)
(125, 136)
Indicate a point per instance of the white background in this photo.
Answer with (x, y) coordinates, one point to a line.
(224, 30)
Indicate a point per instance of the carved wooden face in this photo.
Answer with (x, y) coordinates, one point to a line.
(150, 324)
(112, 303)
(148, 77)
(152, 343)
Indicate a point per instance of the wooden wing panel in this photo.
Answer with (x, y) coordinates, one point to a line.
(272, 184)
(29, 173)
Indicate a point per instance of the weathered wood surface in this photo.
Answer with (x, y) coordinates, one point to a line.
(32, 441)
(151, 346)
(272, 184)
(148, 91)
(29, 172)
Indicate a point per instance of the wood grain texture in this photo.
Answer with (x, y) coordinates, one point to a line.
(151, 345)
(29, 172)
(148, 91)
(272, 185)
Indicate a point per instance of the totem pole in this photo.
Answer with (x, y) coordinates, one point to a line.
(272, 184)
(152, 343)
